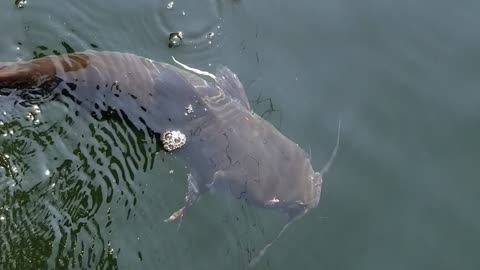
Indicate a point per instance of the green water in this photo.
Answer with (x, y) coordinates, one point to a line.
(401, 75)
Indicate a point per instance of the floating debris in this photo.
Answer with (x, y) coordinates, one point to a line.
(170, 172)
(173, 139)
(175, 39)
(189, 109)
(210, 35)
(20, 3)
(35, 110)
(273, 201)
(29, 117)
(170, 5)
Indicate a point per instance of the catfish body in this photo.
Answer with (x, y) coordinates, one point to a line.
(228, 147)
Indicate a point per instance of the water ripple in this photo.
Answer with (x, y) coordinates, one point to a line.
(60, 178)
(200, 22)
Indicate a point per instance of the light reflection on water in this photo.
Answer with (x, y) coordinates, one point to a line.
(402, 76)
(61, 178)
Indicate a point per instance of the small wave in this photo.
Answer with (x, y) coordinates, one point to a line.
(61, 177)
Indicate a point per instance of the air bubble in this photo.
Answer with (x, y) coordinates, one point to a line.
(173, 139)
(189, 109)
(21, 3)
(175, 39)
(36, 109)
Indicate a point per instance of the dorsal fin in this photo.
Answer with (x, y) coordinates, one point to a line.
(231, 85)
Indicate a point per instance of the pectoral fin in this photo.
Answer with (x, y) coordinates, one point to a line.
(191, 198)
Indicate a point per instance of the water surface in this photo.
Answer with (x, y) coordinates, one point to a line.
(402, 194)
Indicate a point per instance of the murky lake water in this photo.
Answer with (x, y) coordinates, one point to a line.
(401, 75)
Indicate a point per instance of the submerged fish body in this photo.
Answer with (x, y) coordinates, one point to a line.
(228, 147)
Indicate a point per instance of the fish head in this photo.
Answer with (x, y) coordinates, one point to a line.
(301, 185)
(309, 181)
(293, 179)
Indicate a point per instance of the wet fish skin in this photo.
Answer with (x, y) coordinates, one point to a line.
(229, 148)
